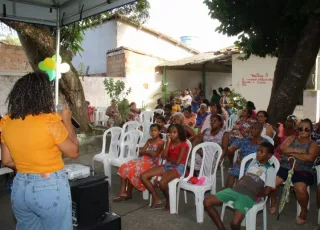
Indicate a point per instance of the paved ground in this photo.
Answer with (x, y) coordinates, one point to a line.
(137, 216)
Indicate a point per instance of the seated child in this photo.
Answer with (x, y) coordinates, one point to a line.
(176, 154)
(258, 181)
(161, 121)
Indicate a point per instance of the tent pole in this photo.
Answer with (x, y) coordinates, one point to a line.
(57, 58)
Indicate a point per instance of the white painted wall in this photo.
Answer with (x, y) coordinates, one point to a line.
(182, 79)
(245, 79)
(97, 41)
(140, 40)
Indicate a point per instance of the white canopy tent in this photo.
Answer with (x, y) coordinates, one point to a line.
(56, 13)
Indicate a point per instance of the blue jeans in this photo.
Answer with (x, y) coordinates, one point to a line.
(42, 203)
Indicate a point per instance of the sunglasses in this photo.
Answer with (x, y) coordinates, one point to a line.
(304, 129)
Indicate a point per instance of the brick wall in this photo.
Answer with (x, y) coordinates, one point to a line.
(116, 65)
(13, 58)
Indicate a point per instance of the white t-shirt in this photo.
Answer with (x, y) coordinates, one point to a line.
(186, 101)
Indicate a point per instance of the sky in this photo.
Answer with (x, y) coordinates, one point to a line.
(178, 18)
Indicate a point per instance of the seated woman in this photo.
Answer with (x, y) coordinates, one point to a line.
(112, 111)
(178, 118)
(240, 131)
(202, 114)
(253, 107)
(285, 131)
(305, 151)
(246, 147)
(175, 153)
(189, 117)
(214, 110)
(215, 134)
(135, 111)
(267, 128)
(159, 104)
(148, 157)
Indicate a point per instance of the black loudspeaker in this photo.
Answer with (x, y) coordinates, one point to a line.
(111, 222)
(90, 201)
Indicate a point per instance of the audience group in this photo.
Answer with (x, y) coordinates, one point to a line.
(191, 117)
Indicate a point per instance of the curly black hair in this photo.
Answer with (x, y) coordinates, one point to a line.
(32, 94)
(181, 131)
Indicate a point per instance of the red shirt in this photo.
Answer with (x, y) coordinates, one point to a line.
(174, 151)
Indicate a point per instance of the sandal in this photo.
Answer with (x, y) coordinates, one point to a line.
(300, 221)
(158, 206)
(121, 198)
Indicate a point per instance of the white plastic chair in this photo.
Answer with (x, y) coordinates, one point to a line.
(130, 126)
(318, 181)
(146, 132)
(129, 150)
(159, 111)
(211, 156)
(271, 141)
(251, 216)
(173, 186)
(231, 120)
(4, 170)
(146, 116)
(113, 151)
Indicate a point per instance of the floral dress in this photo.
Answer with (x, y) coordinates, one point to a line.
(241, 130)
(245, 148)
(134, 168)
(207, 137)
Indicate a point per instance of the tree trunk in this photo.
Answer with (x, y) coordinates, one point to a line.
(38, 44)
(289, 82)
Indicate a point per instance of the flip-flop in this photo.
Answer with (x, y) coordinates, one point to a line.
(157, 207)
(121, 198)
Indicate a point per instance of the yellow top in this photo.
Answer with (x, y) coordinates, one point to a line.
(176, 108)
(33, 141)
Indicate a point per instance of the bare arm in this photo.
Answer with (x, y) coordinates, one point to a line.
(313, 153)
(6, 157)
(190, 132)
(285, 149)
(224, 145)
(153, 153)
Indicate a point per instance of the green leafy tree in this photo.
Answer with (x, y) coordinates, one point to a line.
(287, 29)
(39, 42)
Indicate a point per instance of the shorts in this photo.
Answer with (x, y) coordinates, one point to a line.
(179, 169)
(298, 176)
(241, 202)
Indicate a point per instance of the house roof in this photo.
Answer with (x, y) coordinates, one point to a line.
(133, 50)
(215, 61)
(163, 36)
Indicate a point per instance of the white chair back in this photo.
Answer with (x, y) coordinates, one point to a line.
(185, 167)
(271, 141)
(210, 160)
(146, 117)
(273, 160)
(231, 120)
(164, 136)
(235, 157)
(129, 144)
(159, 111)
(130, 126)
(114, 141)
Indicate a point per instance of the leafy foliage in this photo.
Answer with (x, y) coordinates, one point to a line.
(262, 25)
(117, 91)
(238, 101)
